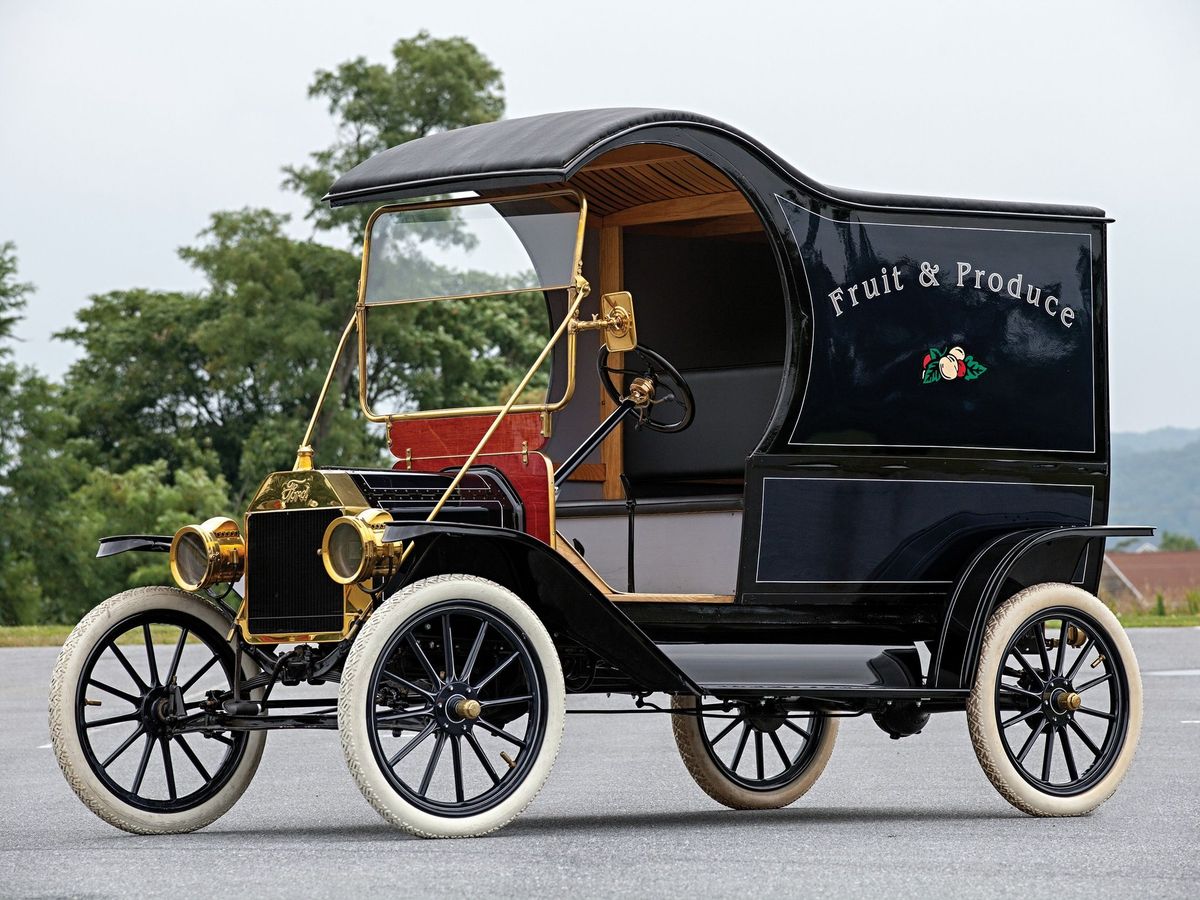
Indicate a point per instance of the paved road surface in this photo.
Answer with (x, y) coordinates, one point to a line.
(620, 816)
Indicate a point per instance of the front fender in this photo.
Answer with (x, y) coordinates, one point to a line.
(563, 598)
(120, 543)
(979, 588)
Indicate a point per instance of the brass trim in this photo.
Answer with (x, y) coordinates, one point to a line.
(378, 558)
(283, 492)
(671, 598)
(224, 551)
(1067, 701)
(305, 490)
(304, 453)
(641, 391)
(581, 293)
(468, 709)
(615, 319)
(576, 293)
(474, 296)
(581, 565)
(552, 499)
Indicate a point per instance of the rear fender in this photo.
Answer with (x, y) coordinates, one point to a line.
(983, 585)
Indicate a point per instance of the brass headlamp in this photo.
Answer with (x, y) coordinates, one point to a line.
(206, 554)
(353, 549)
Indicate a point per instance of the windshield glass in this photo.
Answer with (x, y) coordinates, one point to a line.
(471, 250)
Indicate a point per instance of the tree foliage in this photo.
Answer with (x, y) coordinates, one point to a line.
(12, 294)
(1172, 541)
(182, 401)
(232, 369)
(433, 84)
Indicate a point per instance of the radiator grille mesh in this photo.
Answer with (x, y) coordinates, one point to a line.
(287, 588)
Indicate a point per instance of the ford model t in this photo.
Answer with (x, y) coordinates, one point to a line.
(848, 456)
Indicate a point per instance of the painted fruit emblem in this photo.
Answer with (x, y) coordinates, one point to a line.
(946, 365)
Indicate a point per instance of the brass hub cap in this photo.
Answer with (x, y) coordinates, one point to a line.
(1067, 701)
(456, 708)
(470, 709)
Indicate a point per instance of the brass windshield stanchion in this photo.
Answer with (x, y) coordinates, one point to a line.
(578, 294)
(304, 453)
(616, 318)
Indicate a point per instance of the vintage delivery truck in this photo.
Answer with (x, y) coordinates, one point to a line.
(850, 455)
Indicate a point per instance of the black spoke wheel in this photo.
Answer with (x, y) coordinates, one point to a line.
(1066, 738)
(455, 696)
(132, 748)
(131, 671)
(671, 408)
(1056, 709)
(752, 754)
(451, 707)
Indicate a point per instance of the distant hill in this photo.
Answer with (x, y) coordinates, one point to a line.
(1158, 439)
(1156, 480)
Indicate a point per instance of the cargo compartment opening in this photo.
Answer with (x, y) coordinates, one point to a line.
(671, 229)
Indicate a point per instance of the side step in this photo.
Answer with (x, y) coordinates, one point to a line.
(811, 669)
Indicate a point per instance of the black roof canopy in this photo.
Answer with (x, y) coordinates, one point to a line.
(550, 148)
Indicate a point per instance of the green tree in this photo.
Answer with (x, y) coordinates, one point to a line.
(12, 295)
(233, 369)
(17, 603)
(423, 356)
(434, 84)
(236, 367)
(145, 499)
(1172, 541)
(35, 490)
(182, 401)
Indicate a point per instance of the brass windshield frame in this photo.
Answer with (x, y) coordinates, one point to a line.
(577, 291)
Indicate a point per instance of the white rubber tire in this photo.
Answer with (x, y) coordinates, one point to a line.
(981, 705)
(64, 698)
(714, 782)
(356, 679)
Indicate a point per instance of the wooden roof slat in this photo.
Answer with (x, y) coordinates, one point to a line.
(699, 174)
(658, 186)
(615, 191)
(689, 182)
(728, 203)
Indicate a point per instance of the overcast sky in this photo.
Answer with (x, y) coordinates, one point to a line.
(123, 125)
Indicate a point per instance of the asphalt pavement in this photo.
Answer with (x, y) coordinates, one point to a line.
(621, 816)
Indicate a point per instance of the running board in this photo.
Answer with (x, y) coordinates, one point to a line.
(824, 670)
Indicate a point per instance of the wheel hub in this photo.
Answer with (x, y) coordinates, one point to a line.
(154, 710)
(456, 707)
(1060, 700)
(765, 716)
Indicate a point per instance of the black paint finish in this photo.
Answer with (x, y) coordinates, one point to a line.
(574, 611)
(879, 504)
(123, 543)
(895, 530)
(1017, 303)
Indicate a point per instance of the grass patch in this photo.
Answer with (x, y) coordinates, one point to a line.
(56, 635)
(1153, 620)
(33, 635)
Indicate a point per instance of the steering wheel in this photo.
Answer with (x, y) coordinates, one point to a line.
(667, 389)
